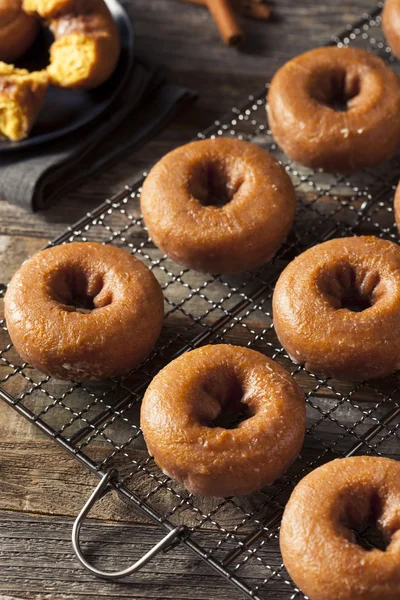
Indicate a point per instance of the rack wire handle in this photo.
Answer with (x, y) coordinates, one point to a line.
(101, 490)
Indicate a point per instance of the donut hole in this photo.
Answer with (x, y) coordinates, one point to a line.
(345, 287)
(225, 408)
(79, 290)
(213, 184)
(37, 57)
(336, 88)
(362, 516)
(355, 301)
(370, 536)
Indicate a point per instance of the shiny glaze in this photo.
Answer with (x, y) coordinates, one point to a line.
(306, 124)
(318, 547)
(111, 337)
(243, 233)
(189, 393)
(317, 330)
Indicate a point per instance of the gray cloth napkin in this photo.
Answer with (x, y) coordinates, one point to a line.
(36, 177)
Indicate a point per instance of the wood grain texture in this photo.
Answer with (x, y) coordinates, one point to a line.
(38, 563)
(255, 9)
(41, 487)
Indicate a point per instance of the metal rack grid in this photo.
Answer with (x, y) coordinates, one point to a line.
(99, 422)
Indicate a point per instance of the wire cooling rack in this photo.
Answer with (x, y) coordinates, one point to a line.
(99, 423)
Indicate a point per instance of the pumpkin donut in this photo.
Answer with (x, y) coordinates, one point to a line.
(337, 109)
(17, 30)
(218, 205)
(184, 399)
(315, 306)
(84, 311)
(22, 95)
(318, 546)
(86, 47)
(391, 25)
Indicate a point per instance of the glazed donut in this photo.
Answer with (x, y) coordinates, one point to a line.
(318, 546)
(86, 47)
(337, 109)
(397, 206)
(17, 30)
(22, 95)
(84, 311)
(391, 25)
(315, 303)
(218, 205)
(190, 393)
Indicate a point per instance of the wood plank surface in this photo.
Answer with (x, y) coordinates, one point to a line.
(37, 562)
(42, 487)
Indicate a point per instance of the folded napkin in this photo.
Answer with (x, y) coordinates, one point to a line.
(36, 177)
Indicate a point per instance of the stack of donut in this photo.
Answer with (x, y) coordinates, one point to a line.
(223, 205)
(83, 55)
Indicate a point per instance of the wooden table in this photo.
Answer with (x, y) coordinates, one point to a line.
(41, 487)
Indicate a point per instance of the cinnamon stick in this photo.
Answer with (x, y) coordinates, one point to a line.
(227, 23)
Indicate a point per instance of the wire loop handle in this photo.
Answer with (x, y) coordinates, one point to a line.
(101, 490)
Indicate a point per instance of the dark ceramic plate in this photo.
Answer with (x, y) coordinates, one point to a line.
(68, 110)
